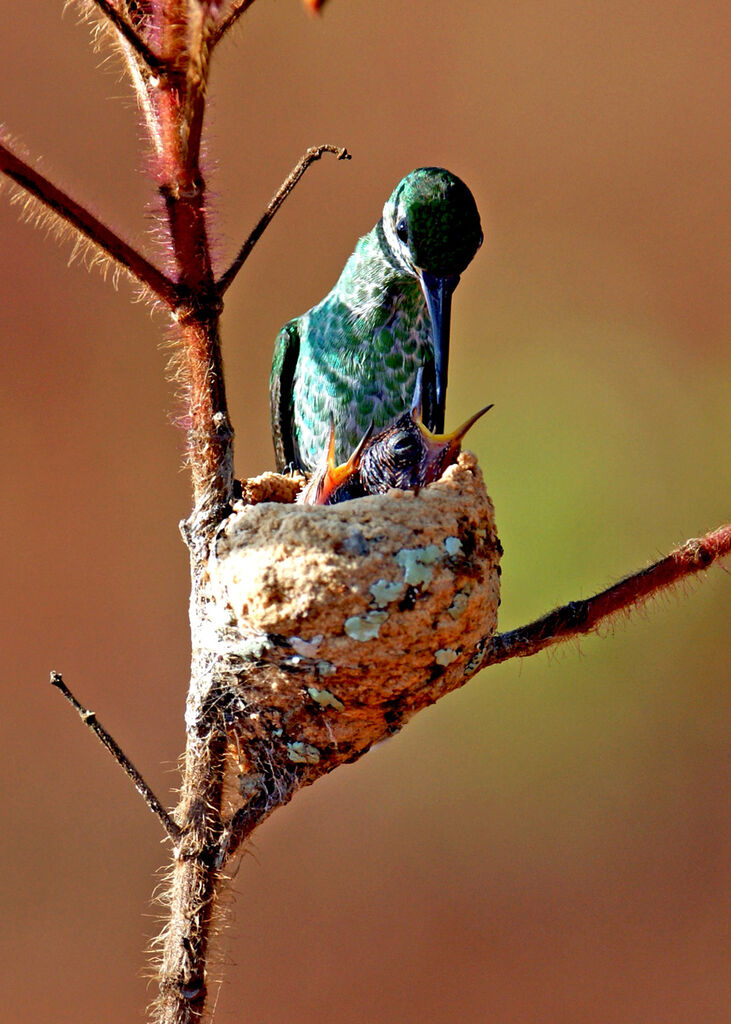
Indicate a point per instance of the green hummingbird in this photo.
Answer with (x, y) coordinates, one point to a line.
(356, 354)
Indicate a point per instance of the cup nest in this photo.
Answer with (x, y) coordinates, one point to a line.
(339, 623)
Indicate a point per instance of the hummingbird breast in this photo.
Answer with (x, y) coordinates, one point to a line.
(359, 367)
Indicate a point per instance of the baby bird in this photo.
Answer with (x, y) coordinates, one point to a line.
(405, 455)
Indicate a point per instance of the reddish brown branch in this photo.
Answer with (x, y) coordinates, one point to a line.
(579, 617)
(89, 718)
(76, 216)
(313, 153)
(154, 63)
(177, 115)
(238, 8)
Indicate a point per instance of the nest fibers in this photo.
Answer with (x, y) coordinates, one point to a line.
(339, 623)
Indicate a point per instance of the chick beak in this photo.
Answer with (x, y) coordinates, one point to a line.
(442, 449)
(438, 295)
(330, 477)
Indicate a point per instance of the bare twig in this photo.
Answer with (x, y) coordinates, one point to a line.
(89, 718)
(579, 617)
(238, 8)
(313, 153)
(156, 64)
(78, 217)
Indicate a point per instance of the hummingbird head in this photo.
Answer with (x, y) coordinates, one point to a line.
(432, 224)
(433, 230)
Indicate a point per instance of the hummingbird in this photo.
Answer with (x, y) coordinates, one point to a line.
(405, 455)
(356, 354)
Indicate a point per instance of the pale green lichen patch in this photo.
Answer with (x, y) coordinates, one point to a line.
(305, 648)
(430, 554)
(385, 592)
(445, 656)
(458, 605)
(325, 668)
(416, 568)
(453, 546)
(365, 627)
(302, 753)
(325, 699)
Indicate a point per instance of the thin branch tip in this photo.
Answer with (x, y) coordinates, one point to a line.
(308, 158)
(89, 719)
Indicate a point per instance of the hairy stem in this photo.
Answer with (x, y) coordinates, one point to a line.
(580, 617)
(175, 113)
(79, 218)
(156, 64)
(179, 117)
(194, 885)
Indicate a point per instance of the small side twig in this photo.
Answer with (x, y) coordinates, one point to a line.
(239, 7)
(79, 218)
(313, 153)
(156, 64)
(579, 617)
(242, 823)
(89, 718)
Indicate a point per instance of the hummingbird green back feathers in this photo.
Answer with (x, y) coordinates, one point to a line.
(356, 354)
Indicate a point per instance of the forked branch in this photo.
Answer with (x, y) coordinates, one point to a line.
(156, 64)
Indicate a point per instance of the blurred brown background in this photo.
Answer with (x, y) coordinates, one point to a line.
(549, 844)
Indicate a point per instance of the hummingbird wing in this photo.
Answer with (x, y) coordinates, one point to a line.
(281, 394)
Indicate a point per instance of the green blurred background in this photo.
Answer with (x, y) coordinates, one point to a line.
(550, 843)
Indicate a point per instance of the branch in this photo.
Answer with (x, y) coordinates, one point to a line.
(89, 718)
(312, 154)
(242, 823)
(87, 224)
(239, 7)
(156, 64)
(579, 617)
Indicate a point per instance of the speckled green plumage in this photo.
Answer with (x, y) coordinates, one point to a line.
(358, 351)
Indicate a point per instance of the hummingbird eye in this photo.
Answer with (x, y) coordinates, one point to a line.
(481, 240)
(402, 230)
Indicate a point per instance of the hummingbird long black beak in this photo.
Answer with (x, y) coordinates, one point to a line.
(438, 295)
